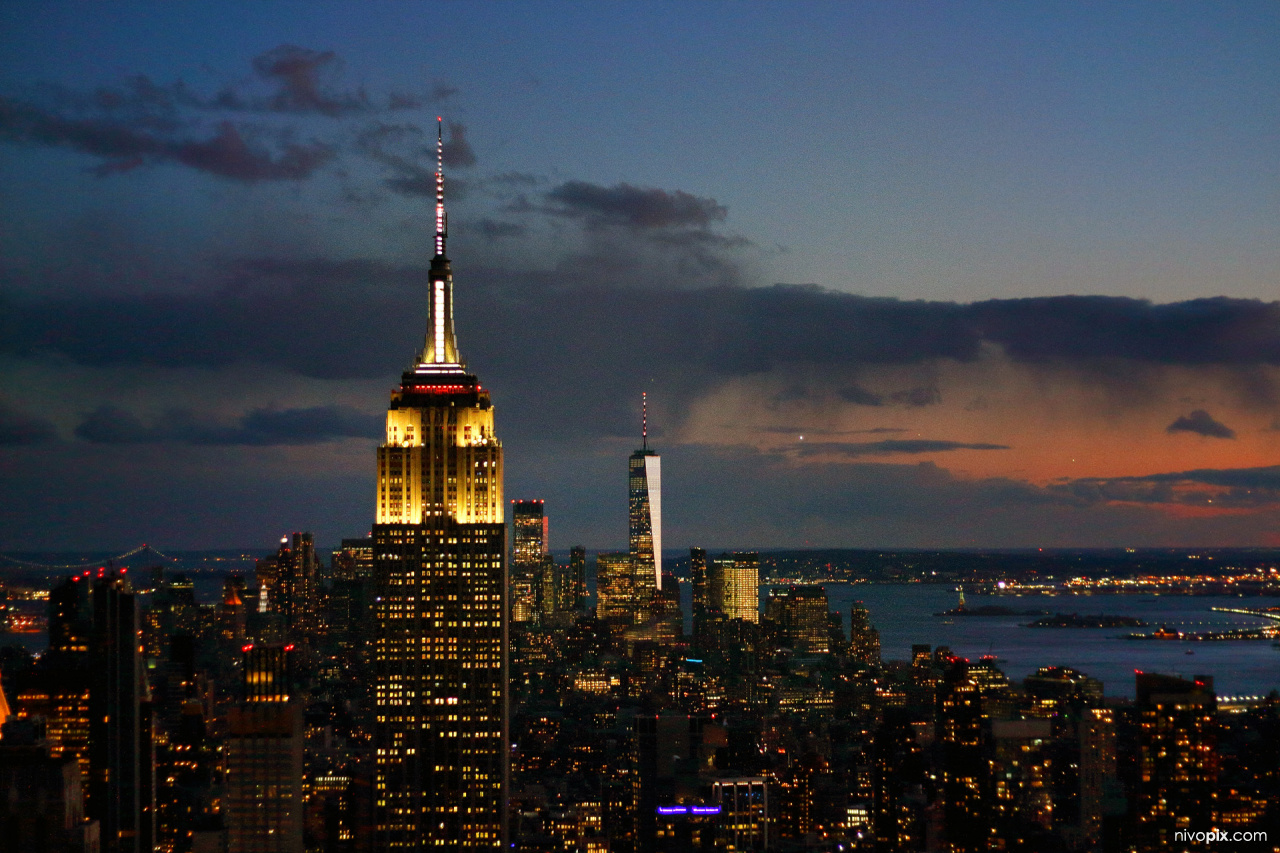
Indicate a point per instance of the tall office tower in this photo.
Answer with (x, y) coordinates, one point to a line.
(864, 639)
(263, 750)
(43, 806)
(1177, 755)
(350, 609)
(898, 772)
(294, 593)
(440, 653)
(232, 618)
(734, 583)
(577, 579)
(645, 505)
(701, 595)
(668, 615)
(60, 692)
(798, 617)
(121, 749)
(614, 579)
(529, 547)
(1023, 807)
(1097, 769)
(353, 560)
(964, 778)
(70, 619)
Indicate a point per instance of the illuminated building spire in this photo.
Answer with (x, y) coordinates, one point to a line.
(442, 222)
(440, 351)
(644, 419)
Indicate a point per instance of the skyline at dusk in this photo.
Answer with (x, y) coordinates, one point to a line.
(890, 276)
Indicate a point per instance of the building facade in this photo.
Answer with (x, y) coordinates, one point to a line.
(734, 584)
(645, 509)
(440, 650)
(529, 549)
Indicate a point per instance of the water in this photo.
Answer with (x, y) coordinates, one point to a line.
(904, 615)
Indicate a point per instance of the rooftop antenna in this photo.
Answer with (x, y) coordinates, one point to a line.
(442, 225)
(644, 420)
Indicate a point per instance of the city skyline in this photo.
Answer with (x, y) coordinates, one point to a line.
(937, 277)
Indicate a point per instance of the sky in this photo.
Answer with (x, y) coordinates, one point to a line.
(927, 275)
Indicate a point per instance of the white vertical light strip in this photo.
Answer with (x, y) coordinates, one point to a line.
(439, 225)
(653, 480)
(438, 317)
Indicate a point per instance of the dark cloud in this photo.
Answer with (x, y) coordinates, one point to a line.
(456, 151)
(364, 319)
(443, 92)
(1201, 423)
(1266, 478)
(860, 396)
(141, 122)
(912, 397)
(112, 425)
(20, 428)
(916, 398)
(226, 153)
(801, 429)
(407, 151)
(297, 71)
(492, 229)
(879, 448)
(515, 179)
(261, 427)
(721, 330)
(1217, 488)
(1199, 331)
(635, 207)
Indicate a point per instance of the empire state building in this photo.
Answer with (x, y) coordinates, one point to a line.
(440, 586)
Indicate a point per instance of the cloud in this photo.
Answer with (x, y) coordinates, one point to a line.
(889, 446)
(690, 336)
(226, 153)
(634, 207)
(18, 428)
(140, 122)
(1201, 423)
(801, 429)
(297, 70)
(260, 427)
(925, 395)
(860, 396)
(492, 229)
(1219, 330)
(1222, 489)
(456, 151)
(404, 150)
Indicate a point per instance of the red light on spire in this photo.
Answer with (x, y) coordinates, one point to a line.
(246, 649)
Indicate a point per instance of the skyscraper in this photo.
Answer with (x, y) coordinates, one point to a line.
(798, 618)
(576, 599)
(263, 752)
(121, 750)
(439, 546)
(734, 584)
(864, 639)
(645, 505)
(1177, 755)
(293, 594)
(529, 548)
